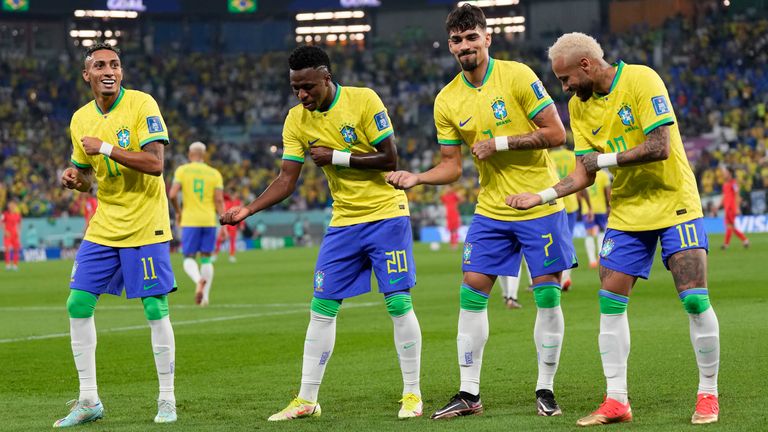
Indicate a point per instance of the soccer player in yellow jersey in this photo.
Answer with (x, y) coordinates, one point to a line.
(118, 141)
(502, 112)
(622, 119)
(347, 132)
(595, 208)
(202, 192)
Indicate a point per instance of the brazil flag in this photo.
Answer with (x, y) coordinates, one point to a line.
(16, 5)
(242, 6)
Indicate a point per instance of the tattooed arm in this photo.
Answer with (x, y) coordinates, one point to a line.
(550, 134)
(655, 148)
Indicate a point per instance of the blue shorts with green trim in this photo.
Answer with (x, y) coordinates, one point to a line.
(143, 271)
(495, 247)
(632, 252)
(348, 254)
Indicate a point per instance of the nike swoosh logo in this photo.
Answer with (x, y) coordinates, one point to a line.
(548, 263)
(77, 355)
(462, 123)
(549, 346)
(312, 142)
(148, 287)
(706, 351)
(409, 345)
(604, 352)
(394, 281)
(595, 131)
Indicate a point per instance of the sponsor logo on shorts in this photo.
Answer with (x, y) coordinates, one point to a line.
(467, 252)
(608, 245)
(319, 280)
(149, 287)
(548, 263)
(394, 281)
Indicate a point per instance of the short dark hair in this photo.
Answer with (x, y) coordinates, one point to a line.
(308, 56)
(101, 46)
(465, 17)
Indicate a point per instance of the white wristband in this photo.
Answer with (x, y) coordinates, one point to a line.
(341, 158)
(501, 143)
(607, 160)
(547, 195)
(106, 149)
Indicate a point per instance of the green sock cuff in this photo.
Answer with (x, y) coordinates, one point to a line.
(205, 260)
(472, 300)
(695, 301)
(155, 307)
(326, 307)
(398, 304)
(81, 304)
(547, 295)
(612, 303)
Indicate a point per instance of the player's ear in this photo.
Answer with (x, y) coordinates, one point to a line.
(85, 75)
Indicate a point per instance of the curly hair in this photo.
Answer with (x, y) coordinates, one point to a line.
(100, 46)
(308, 56)
(465, 17)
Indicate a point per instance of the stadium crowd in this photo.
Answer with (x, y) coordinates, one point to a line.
(713, 65)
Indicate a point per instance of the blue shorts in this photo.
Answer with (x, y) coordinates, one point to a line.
(494, 247)
(632, 252)
(143, 271)
(198, 239)
(600, 220)
(349, 253)
(572, 221)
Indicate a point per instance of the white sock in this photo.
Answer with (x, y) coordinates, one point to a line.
(705, 337)
(509, 286)
(164, 349)
(318, 347)
(408, 345)
(191, 269)
(473, 334)
(206, 272)
(548, 334)
(83, 338)
(614, 351)
(600, 238)
(589, 244)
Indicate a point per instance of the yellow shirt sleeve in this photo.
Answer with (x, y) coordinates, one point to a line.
(653, 107)
(376, 123)
(178, 175)
(446, 133)
(218, 182)
(79, 158)
(293, 149)
(151, 126)
(530, 92)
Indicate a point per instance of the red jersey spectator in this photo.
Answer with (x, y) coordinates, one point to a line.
(451, 201)
(11, 226)
(730, 204)
(229, 231)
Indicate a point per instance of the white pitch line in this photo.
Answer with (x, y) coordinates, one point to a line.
(182, 323)
(62, 308)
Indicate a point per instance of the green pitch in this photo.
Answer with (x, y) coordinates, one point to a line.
(239, 360)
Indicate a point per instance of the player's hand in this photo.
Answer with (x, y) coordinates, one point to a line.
(234, 215)
(322, 156)
(91, 145)
(523, 201)
(589, 161)
(70, 178)
(402, 179)
(484, 149)
(590, 216)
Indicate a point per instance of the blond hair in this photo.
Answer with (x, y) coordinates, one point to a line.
(197, 146)
(575, 44)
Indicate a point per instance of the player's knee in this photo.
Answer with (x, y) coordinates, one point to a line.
(156, 307)
(326, 307)
(612, 303)
(471, 299)
(81, 304)
(695, 300)
(398, 304)
(547, 295)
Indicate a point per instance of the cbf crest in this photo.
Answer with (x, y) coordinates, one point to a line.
(467, 252)
(626, 116)
(319, 280)
(499, 108)
(348, 134)
(123, 137)
(608, 245)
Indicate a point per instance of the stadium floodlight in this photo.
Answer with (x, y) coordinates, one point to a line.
(505, 20)
(83, 33)
(514, 29)
(489, 3)
(320, 16)
(333, 29)
(80, 13)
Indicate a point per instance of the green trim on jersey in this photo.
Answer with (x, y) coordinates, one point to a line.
(79, 165)
(538, 109)
(335, 98)
(293, 158)
(662, 122)
(157, 138)
(619, 69)
(450, 142)
(382, 138)
(583, 152)
(485, 78)
(114, 105)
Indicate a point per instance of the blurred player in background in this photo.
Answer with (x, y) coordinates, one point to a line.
(229, 232)
(127, 242)
(732, 205)
(595, 209)
(88, 205)
(201, 187)
(622, 119)
(502, 111)
(565, 162)
(451, 200)
(12, 235)
(347, 132)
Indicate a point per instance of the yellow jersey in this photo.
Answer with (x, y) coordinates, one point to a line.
(648, 196)
(133, 208)
(356, 122)
(597, 194)
(565, 162)
(198, 184)
(508, 99)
